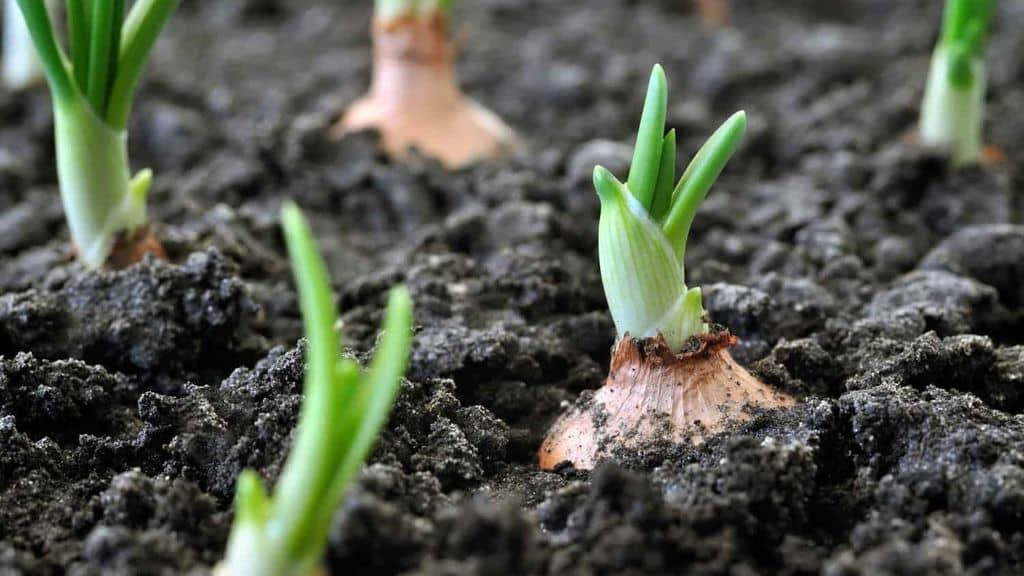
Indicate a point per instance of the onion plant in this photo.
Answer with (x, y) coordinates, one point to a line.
(21, 67)
(93, 88)
(671, 378)
(952, 111)
(645, 223)
(341, 417)
(414, 99)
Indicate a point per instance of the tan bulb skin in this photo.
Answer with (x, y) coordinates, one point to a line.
(131, 248)
(414, 100)
(652, 395)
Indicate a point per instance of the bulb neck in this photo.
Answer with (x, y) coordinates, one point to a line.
(413, 60)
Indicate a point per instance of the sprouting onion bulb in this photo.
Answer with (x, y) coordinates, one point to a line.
(672, 379)
(21, 67)
(645, 223)
(953, 108)
(414, 100)
(93, 91)
(341, 417)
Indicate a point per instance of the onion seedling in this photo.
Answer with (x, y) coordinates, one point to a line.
(21, 67)
(671, 376)
(953, 108)
(93, 91)
(341, 417)
(414, 100)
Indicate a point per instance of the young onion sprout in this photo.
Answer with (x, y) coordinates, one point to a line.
(93, 90)
(646, 221)
(342, 415)
(671, 378)
(952, 111)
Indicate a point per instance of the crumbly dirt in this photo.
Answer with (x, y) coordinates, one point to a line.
(882, 289)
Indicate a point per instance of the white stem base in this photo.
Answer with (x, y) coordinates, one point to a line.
(952, 117)
(100, 197)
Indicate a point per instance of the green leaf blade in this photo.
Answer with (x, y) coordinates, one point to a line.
(309, 468)
(666, 178)
(965, 24)
(79, 40)
(102, 23)
(114, 51)
(342, 413)
(643, 171)
(953, 105)
(375, 397)
(142, 28)
(251, 502)
(698, 178)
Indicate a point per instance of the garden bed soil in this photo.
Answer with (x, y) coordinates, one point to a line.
(882, 290)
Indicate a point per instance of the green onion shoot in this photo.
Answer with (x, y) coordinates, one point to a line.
(93, 89)
(645, 223)
(953, 108)
(671, 377)
(343, 413)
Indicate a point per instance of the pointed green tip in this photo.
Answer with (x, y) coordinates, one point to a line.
(699, 176)
(400, 305)
(291, 215)
(643, 171)
(140, 185)
(737, 123)
(658, 75)
(605, 183)
(657, 95)
(726, 140)
(297, 233)
(251, 501)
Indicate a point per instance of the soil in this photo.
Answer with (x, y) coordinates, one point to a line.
(881, 289)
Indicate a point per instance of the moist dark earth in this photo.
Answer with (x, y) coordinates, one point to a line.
(863, 276)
